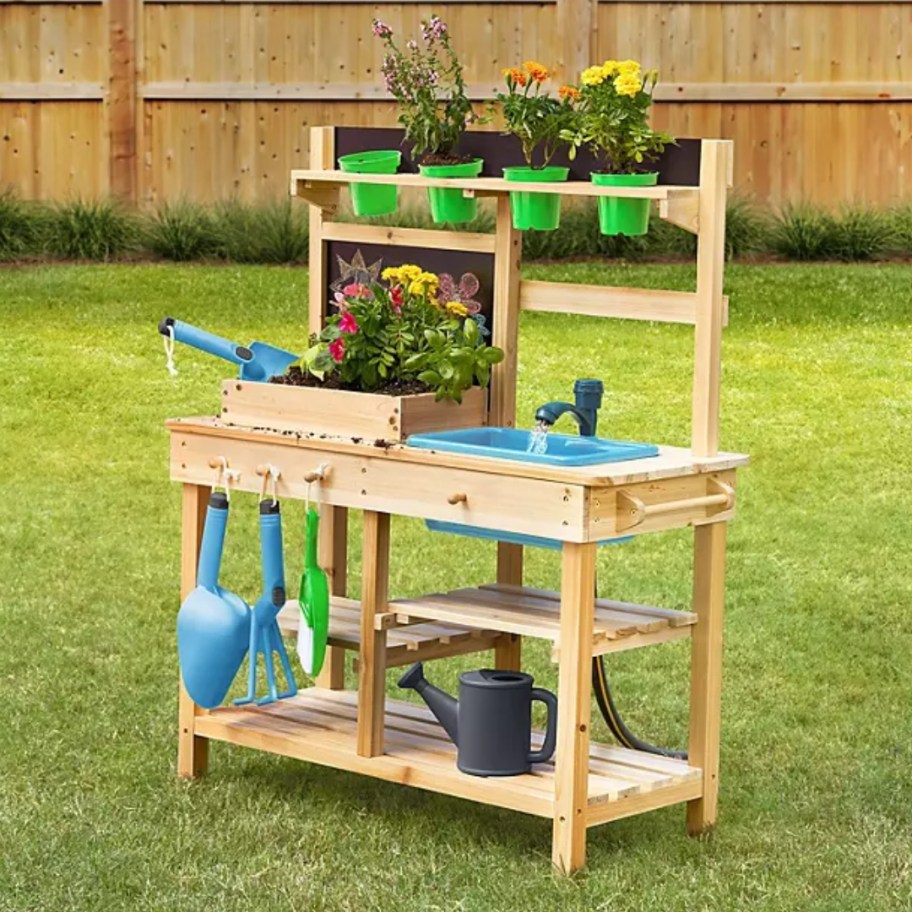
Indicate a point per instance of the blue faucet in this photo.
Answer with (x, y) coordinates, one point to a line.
(588, 396)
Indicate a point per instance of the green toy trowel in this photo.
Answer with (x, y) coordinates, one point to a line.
(313, 629)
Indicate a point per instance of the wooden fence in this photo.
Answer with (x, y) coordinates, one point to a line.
(203, 99)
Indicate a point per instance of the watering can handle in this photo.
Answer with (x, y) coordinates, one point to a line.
(205, 341)
(273, 562)
(547, 748)
(210, 555)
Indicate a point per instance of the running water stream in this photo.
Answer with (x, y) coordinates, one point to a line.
(538, 439)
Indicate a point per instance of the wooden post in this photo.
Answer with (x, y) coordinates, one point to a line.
(502, 412)
(333, 558)
(192, 751)
(505, 334)
(123, 122)
(322, 156)
(715, 158)
(508, 650)
(372, 661)
(571, 772)
(706, 670)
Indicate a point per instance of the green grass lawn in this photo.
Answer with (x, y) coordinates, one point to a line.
(816, 796)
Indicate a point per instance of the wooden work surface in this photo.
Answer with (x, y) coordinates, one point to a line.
(579, 504)
(672, 462)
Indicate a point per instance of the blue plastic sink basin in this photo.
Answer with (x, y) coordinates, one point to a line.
(511, 443)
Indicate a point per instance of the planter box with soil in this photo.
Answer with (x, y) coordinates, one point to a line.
(388, 416)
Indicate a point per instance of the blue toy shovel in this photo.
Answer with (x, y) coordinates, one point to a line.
(265, 636)
(213, 623)
(258, 361)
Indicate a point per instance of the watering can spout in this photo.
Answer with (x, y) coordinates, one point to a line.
(441, 704)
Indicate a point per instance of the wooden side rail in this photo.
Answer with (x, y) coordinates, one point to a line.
(632, 511)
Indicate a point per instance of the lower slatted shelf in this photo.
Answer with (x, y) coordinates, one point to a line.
(319, 726)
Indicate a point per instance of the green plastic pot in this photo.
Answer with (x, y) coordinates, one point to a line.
(372, 199)
(451, 205)
(540, 211)
(624, 216)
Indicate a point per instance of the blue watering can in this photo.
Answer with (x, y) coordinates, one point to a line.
(265, 637)
(213, 623)
(258, 361)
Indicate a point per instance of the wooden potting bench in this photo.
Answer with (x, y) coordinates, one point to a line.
(362, 731)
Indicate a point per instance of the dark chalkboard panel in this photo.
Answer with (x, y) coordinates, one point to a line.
(343, 265)
(680, 164)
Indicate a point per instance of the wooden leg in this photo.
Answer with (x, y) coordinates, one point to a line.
(508, 651)
(372, 661)
(192, 751)
(333, 558)
(706, 671)
(571, 772)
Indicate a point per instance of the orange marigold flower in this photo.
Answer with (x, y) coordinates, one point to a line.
(538, 72)
(568, 91)
(515, 75)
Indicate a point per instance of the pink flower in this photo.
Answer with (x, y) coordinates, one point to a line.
(356, 290)
(397, 298)
(337, 349)
(348, 324)
(381, 29)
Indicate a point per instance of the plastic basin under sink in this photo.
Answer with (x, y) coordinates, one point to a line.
(513, 444)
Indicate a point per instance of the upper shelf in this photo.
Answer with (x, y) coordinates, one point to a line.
(305, 179)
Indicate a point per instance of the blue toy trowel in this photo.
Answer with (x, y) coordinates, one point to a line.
(265, 637)
(213, 624)
(257, 361)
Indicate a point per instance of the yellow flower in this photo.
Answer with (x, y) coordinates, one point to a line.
(390, 274)
(609, 68)
(628, 85)
(592, 76)
(628, 68)
(417, 288)
(410, 272)
(457, 308)
(429, 278)
(432, 300)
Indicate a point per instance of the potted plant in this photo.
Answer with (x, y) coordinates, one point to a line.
(427, 82)
(613, 121)
(539, 121)
(397, 358)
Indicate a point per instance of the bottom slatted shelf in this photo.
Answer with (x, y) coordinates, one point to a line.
(319, 726)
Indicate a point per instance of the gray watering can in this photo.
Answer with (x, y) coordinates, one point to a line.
(491, 724)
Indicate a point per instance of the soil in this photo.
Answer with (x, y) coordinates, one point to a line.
(435, 159)
(297, 377)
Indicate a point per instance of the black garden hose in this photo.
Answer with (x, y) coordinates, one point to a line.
(613, 719)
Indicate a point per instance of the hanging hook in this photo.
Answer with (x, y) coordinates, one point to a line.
(312, 478)
(220, 464)
(269, 472)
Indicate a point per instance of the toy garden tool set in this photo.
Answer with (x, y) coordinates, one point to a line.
(216, 628)
(257, 361)
(265, 637)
